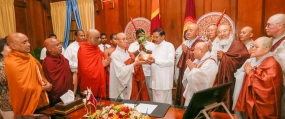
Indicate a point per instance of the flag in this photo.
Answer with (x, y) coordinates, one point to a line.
(190, 17)
(92, 100)
(155, 16)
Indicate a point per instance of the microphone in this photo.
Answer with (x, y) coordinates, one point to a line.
(139, 93)
(121, 93)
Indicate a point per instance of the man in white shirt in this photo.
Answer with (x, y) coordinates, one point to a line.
(162, 68)
(245, 36)
(71, 54)
(138, 48)
(200, 74)
(276, 29)
(44, 50)
(121, 74)
(103, 46)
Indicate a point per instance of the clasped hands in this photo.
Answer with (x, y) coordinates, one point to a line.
(191, 65)
(247, 67)
(220, 54)
(47, 86)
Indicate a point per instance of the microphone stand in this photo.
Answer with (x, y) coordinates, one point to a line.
(121, 93)
(135, 105)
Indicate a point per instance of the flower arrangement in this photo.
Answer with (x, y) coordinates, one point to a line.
(117, 112)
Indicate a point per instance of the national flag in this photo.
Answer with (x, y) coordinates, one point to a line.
(92, 100)
(190, 16)
(155, 16)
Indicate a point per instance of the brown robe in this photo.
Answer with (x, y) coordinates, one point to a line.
(261, 92)
(138, 81)
(179, 99)
(58, 73)
(233, 59)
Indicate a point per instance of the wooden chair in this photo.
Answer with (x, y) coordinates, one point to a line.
(221, 115)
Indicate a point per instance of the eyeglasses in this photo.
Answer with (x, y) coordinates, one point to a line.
(254, 46)
(270, 24)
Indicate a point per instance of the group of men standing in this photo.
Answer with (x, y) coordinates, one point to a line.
(255, 68)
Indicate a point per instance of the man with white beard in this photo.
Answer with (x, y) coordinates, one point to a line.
(230, 55)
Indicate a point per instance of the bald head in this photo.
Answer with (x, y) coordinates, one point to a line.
(224, 32)
(121, 40)
(192, 31)
(261, 46)
(246, 34)
(200, 49)
(93, 37)
(19, 42)
(275, 25)
(53, 46)
(212, 32)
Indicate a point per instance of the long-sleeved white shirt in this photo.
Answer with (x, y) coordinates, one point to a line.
(162, 69)
(71, 55)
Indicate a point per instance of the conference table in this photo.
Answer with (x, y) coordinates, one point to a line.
(172, 112)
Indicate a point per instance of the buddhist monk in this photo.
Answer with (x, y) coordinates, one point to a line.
(57, 70)
(230, 55)
(126, 73)
(276, 29)
(26, 80)
(108, 53)
(260, 96)
(91, 63)
(187, 48)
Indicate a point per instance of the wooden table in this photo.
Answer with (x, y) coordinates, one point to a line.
(172, 113)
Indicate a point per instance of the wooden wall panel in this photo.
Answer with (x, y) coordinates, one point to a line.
(21, 19)
(253, 20)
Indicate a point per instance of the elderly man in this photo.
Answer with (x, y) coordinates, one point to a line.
(138, 48)
(276, 29)
(26, 80)
(187, 48)
(260, 96)
(44, 50)
(245, 36)
(71, 55)
(57, 71)
(199, 74)
(162, 68)
(123, 70)
(212, 32)
(230, 55)
(91, 63)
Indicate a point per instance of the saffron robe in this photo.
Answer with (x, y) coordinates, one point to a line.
(91, 71)
(179, 100)
(233, 59)
(58, 73)
(25, 88)
(261, 91)
(138, 81)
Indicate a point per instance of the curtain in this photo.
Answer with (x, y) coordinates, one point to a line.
(67, 24)
(86, 12)
(76, 14)
(7, 18)
(58, 17)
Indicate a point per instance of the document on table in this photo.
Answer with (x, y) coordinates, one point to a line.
(142, 107)
(146, 108)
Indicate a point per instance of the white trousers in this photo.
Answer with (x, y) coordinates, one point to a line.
(162, 96)
(7, 114)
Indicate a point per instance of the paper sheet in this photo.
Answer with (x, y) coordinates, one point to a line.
(146, 108)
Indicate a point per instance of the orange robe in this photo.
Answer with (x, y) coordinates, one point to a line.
(138, 81)
(25, 88)
(261, 91)
(91, 71)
